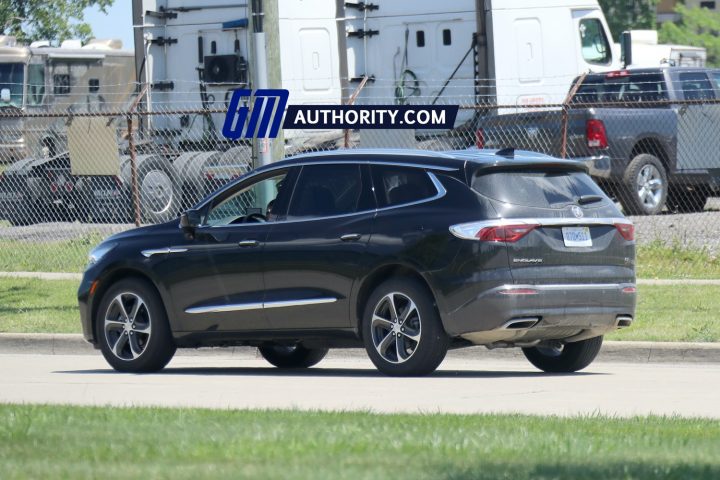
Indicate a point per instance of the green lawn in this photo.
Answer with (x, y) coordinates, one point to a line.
(665, 313)
(654, 260)
(82, 442)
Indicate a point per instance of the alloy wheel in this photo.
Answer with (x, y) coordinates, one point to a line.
(396, 327)
(127, 326)
(649, 186)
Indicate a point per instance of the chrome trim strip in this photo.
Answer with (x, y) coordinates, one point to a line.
(569, 286)
(231, 307)
(459, 229)
(299, 303)
(162, 251)
(238, 307)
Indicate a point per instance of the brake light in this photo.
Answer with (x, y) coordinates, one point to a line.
(480, 138)
(626, 230)
(618, 74)
(596, 134)
(504, 233)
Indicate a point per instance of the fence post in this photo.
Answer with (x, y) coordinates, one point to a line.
(133, 171)
(566, 114)
(351, 100)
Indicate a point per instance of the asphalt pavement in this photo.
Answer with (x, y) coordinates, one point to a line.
(349, 382)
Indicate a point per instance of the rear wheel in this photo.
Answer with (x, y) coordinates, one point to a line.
(294, 356)
(644, 188)
(132, 328)
(402, 331)
(564, 358)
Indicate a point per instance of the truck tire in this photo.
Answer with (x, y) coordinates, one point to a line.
(644, 187)
(159, 188)
(682, 200)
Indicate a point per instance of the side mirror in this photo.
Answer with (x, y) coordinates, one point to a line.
(190, 220)
(626, 49)
(5, 95)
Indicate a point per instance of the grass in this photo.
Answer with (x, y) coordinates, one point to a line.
(86, 442)
(677, 313)
(657, 260)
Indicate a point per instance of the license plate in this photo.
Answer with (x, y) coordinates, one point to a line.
(577, 237)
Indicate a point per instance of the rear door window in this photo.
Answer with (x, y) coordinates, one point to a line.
(535, 188)
(696, 86)
(329, 190)
(401, 185)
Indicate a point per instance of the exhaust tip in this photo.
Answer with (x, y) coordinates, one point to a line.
(521, 323)
(623, 321)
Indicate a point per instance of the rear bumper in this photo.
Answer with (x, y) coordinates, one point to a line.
(600, 166)
(559, 311)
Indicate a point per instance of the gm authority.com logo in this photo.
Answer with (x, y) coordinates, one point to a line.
(269, 106)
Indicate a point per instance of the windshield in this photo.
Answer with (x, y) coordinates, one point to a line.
(12, 77)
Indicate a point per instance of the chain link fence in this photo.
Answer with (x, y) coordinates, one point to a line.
(70, 177)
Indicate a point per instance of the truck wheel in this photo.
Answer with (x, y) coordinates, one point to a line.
(645, 186)
(160, 191)
(682, 200)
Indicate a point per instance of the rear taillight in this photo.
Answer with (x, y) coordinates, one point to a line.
(495, 233)
(626, 230)
(596, 134)
(479, 138)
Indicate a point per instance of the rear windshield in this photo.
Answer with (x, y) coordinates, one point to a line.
(633, 88)
(536, 188)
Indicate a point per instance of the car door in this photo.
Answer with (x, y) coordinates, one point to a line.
(316, 255)
(217, 279)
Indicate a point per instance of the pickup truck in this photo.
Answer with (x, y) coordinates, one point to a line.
(649, 136)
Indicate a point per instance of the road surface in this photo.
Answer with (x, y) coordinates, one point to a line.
(350, 383)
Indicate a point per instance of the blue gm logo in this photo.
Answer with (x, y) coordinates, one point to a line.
(266, 102)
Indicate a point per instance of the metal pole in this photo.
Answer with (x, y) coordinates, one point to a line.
(260, 78)
(133, 171)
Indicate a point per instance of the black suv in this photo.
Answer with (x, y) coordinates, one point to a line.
(407, 253)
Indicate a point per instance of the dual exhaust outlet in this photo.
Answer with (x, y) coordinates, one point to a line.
(526, 323)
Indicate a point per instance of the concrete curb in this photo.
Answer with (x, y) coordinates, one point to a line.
(636, 352)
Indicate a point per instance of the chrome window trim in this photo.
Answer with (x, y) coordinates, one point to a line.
(237, 307)
(440, 192)
(162, 251)
(458, 229)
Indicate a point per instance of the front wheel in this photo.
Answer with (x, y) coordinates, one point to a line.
(402, 331)
(295, 356)
(132, 328)
(564, 358)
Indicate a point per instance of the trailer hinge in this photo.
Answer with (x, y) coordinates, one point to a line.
(163, 85)
(371, 78)
(162, 14)
(363, 33)
(362, 6)
(163, 41)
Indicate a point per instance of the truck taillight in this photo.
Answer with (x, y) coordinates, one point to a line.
(479, 138)
(626, 230)
(495, 233)
(596, 134)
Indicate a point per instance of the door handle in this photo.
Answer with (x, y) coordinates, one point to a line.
(350, 237)
(248, 243)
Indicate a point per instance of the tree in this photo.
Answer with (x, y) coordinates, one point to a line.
(54, 20)
(625, 15)
(698, 27)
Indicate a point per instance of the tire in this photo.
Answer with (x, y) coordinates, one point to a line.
(645, 186)
(153, 346)
(423, 341)
(160, 191)
(682, 200)
(572, 357)
(292, 357)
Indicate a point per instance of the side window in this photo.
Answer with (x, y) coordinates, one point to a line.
(400, 185)
(420, 38)
(696, 86)
(594, 43)
(327, 190)
(61, 83)
(36, 84)
(251, 204)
